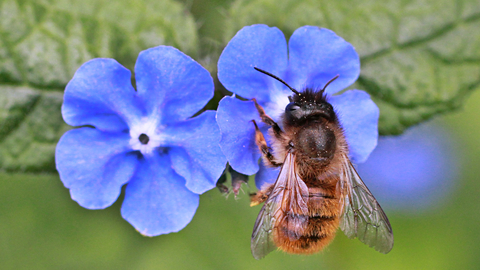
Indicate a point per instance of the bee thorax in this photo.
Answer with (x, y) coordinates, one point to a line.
(316, 142)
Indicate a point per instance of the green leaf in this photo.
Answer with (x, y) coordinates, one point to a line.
(30, 126)
(42, 43)
(419, 58)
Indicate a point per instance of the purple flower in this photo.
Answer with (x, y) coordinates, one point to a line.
(411, 171)
(313, 57)
(143, 138)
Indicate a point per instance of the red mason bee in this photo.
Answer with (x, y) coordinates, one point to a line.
(317, 189)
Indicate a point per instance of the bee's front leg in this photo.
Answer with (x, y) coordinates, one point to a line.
(277, 131)
(264, 149)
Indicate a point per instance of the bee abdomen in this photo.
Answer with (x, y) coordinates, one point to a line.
(317, 234)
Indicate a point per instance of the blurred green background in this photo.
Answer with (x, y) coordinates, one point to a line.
(419, 59)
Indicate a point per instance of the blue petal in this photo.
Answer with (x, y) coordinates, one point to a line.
(414, 170)
(253, 46)
(171, 84)
(358, 115)
(266, 176)
(156, 199)
(195, 151)
(94, 165)
(316, 55)
(234, 118)
(101, 94)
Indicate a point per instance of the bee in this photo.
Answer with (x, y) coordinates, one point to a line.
(317, 189)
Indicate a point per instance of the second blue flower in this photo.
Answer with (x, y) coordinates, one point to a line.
(312, 57)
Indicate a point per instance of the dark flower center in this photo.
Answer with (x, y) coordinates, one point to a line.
(143, 138)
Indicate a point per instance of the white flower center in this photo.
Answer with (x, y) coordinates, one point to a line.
(275, 108)
(144, 136)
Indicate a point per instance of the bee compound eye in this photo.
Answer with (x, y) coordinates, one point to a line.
(292, 107)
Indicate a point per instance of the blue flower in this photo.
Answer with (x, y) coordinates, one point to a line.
(144, 138)
(412, 171)
(313, 57)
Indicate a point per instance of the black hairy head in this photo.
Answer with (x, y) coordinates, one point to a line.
(309, 95)
(309, 105)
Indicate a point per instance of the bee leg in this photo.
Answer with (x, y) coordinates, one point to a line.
(260, 196)
(269, 121)
(262, 145)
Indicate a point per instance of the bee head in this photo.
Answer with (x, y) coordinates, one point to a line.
(309, 105)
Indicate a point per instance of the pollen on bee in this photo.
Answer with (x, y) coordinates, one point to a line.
(254, 203)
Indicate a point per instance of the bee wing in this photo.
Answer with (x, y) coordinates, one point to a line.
(362, 215)
(287, 203)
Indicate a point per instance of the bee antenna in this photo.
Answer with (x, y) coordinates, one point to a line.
(282, 81)
(329, 82)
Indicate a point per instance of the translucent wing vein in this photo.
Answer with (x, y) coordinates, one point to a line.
(286, 204)
(362, 215)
